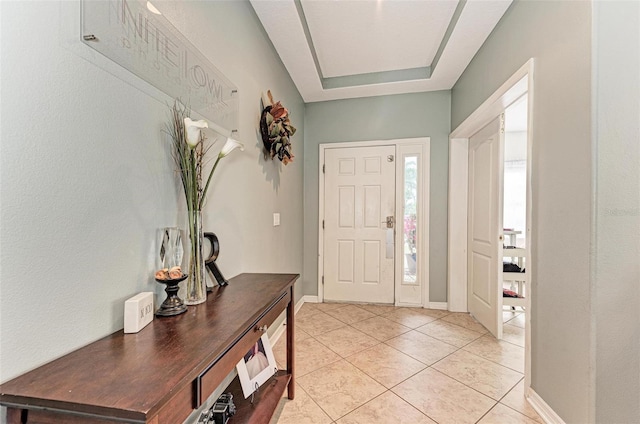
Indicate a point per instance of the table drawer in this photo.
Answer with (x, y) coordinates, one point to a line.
(214, 375)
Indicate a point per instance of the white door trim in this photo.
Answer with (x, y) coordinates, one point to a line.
(405, 293)
(424, 229)
(518, 84)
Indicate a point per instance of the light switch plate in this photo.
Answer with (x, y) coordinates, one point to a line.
(138, 312)
(276, 219)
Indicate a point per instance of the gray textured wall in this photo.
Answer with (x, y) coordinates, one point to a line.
(381, 118)
(617, 212)
(87, 177)
(557, 34)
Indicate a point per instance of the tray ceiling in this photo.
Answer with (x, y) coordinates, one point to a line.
(336, 49)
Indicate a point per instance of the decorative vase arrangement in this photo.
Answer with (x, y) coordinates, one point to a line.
(189, 150)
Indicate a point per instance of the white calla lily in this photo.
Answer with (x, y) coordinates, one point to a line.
(230, 146)
(193, 130)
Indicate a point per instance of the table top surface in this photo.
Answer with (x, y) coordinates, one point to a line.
(135, 374)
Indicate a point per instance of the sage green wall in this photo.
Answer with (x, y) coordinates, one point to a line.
(87, 177)
(557, 34)
(616, 50)
(381, 118)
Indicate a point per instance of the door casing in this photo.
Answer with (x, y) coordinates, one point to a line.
(520, 83)
(402, 145)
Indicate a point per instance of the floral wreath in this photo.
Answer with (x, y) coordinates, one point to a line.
(276, 130)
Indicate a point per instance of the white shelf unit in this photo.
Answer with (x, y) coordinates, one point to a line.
(517, 252)
(517, 279)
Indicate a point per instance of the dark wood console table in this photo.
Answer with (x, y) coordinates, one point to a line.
(167, 370)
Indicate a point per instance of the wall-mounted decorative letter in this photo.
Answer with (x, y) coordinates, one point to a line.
(210, 262)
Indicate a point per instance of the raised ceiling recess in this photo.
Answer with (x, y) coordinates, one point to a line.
(337, 49)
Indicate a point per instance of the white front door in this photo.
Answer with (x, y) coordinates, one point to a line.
(358, 245)
(485, 232)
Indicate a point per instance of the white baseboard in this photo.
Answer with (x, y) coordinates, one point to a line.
(407, 305)
(310, 299)
(444, 306)
(465, 310)
(299, 304)
(547, 414)
(281, 321)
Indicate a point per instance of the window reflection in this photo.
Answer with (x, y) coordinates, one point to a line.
(410, 222)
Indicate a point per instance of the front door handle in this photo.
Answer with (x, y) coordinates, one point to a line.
(390, 221)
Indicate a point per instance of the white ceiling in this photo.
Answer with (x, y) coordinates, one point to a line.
(337, 49)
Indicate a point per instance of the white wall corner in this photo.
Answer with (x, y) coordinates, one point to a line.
(547, 414)
(439, 305)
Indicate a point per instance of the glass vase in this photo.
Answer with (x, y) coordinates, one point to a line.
(196, 289)
(170, 248)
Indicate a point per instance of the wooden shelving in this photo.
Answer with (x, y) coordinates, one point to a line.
(516, 252)
(519, 279)
(265, 400)
(514, 276)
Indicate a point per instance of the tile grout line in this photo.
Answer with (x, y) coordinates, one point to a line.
(491, 360)
(513, 409)
(484, 394)
(427, 366)
(317, 404)
(500, 403)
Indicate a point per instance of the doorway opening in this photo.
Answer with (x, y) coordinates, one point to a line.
(515, 284)
(518, 88)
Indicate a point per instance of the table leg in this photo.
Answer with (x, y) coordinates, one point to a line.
(291, 352)
(14, 416)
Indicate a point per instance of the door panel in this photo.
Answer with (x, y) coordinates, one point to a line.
(371, 261)
(485, 218)
(372, 200)
(359, 195)
(346, 207)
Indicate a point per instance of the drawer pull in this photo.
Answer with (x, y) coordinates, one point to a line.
(263, 328)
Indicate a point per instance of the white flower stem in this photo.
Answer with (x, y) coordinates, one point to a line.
(206, 187)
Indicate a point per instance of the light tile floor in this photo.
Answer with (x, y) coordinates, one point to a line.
(369, 364)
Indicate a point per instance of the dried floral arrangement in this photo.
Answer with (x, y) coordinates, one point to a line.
(276, 129)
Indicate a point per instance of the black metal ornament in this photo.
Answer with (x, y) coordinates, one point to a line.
(210, 262)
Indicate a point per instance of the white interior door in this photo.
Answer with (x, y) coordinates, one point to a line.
(485, 226)
(358, 245)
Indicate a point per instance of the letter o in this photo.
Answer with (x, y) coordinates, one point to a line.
(198, 76)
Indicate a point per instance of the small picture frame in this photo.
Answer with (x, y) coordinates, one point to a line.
(257, 366)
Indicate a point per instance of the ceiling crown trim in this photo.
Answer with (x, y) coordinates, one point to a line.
(286, 24)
